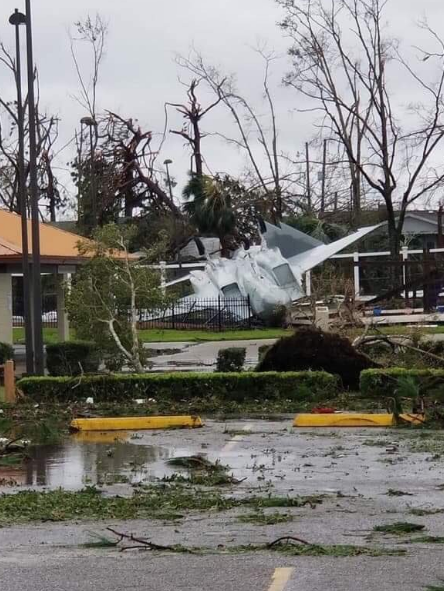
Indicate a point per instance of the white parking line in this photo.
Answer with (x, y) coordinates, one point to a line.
(235, 440)
(280, 579)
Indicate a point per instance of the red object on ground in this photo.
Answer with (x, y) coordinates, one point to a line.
(323, 411)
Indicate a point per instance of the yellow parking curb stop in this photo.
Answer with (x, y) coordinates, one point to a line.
(354, 420)
(136, 423)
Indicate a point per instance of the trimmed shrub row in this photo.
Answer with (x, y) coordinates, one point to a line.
(72, 358)
(238, 387)
(231, 360)
(377, 383)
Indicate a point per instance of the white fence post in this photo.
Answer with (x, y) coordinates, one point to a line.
(308, 283)
(162, 266)
(405, 256)
(356, 274)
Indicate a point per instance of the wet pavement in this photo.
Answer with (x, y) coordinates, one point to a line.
(367, 477)
(202, 356)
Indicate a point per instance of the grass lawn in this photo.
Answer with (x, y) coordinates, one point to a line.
(49, 335)
(175, 336)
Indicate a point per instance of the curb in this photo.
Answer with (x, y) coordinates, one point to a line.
(136, 423)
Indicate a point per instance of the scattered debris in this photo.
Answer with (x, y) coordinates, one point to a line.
(399, 528)
(141, 543)
(426, 540)
(261, 518)
(421, 512)
(398, 493)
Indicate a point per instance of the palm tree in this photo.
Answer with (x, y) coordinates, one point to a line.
(324, 231)
(209, 207)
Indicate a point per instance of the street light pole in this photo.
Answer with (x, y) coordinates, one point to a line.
(36, 270)
(18, 19)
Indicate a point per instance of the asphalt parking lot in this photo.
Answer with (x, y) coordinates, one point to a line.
(363, 479)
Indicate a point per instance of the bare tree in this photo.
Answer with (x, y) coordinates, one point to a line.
(257, 140)
(91, 32)
(50, 195)
(193, 113)
(342, 57)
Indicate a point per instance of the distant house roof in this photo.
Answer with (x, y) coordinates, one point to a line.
(417, 221)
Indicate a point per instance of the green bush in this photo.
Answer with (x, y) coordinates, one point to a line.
(238, 387)
(377, 383)
(72, 358)
(6, 352)
(231, 360)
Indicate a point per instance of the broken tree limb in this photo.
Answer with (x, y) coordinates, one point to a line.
(142, 544)
(287, 540)
(393, 342)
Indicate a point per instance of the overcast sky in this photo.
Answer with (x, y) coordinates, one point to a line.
(139, 73)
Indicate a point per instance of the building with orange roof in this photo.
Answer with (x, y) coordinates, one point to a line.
(59, 257)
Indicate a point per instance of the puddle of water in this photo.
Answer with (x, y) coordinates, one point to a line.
(92, 459)
(106, 458)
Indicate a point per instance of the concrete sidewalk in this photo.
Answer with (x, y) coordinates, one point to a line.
(203, 356)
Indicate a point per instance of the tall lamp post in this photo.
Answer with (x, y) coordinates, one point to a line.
(17, 19)
(36, 271)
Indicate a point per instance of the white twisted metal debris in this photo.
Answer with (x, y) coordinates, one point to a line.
(270, 274)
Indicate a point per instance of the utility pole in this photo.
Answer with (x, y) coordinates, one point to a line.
(324, 170)
(308, 184)
(36, 271)
(17, 19)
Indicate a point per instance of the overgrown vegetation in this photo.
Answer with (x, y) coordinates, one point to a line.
(382, 383)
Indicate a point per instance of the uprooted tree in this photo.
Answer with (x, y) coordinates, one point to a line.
(346, 63)
(119, 175)
(109, 292)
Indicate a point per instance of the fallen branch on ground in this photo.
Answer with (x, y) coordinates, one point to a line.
(287, 540)
(142, 544)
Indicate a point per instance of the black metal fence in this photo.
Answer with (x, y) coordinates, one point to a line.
(49, 313)
(202, 314)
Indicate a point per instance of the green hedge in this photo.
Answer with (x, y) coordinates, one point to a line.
(376, 383)
(231, 360)
(72, 358)
(239, 387)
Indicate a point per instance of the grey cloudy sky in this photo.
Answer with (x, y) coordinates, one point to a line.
(139, 73)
